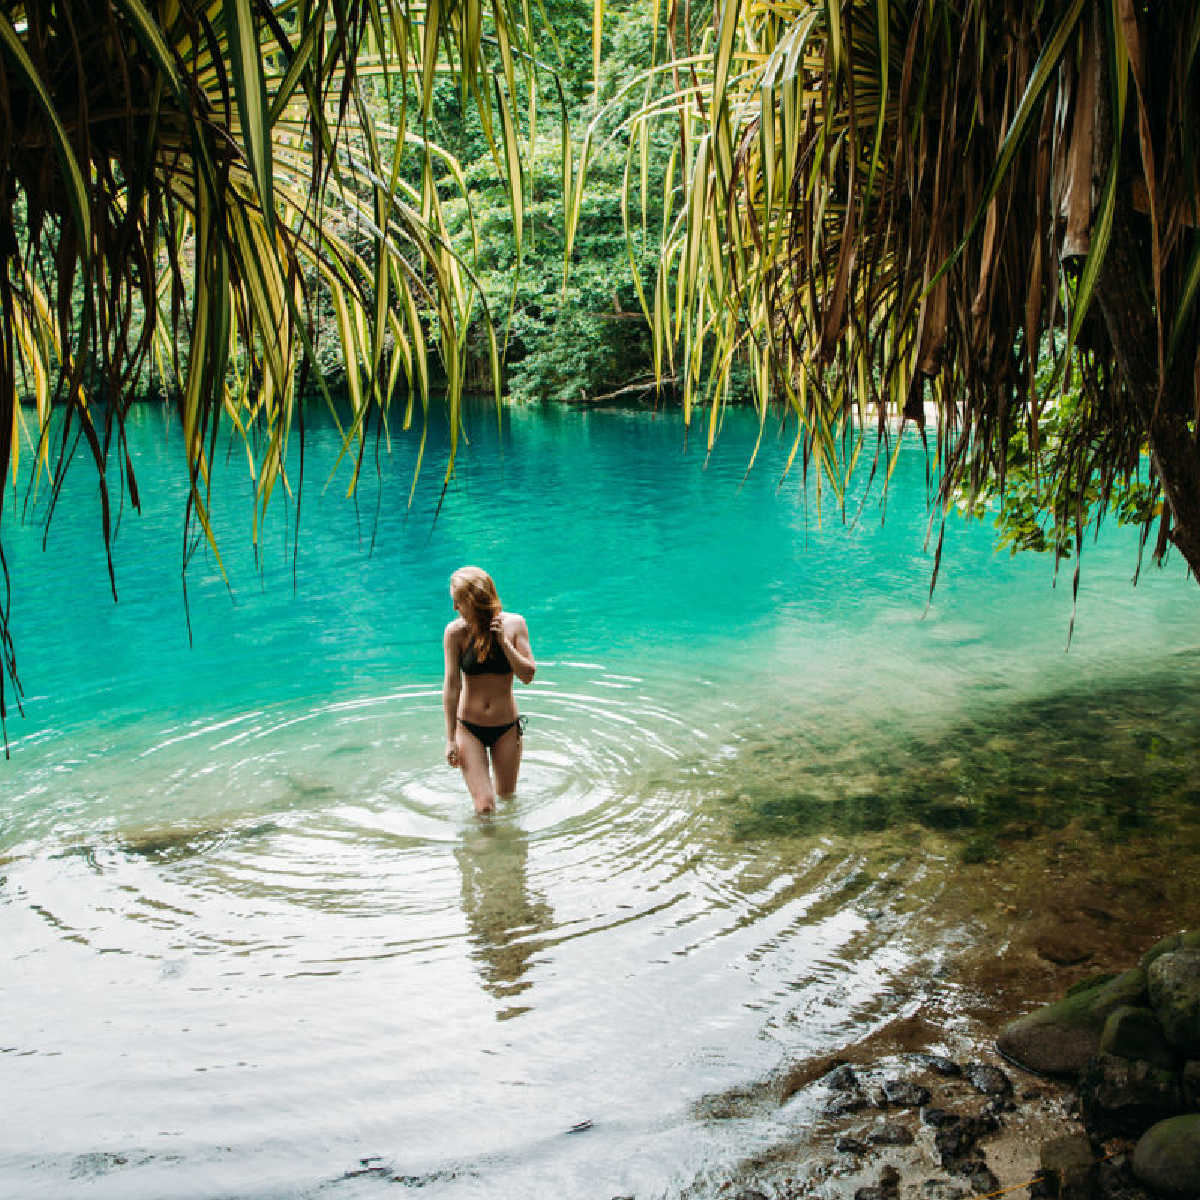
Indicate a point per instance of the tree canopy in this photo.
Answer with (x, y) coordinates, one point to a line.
(188, 185)
(986, 208)
(854, 209)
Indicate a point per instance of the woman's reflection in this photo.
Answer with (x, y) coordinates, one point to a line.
(504, 917)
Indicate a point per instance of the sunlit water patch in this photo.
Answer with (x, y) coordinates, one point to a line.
(260, 946)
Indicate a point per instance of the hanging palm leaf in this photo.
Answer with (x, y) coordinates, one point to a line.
(899, 204)
(183, 178)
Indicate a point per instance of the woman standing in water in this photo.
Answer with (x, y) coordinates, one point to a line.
(485, 647)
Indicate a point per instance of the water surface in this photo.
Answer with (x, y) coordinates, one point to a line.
(258, 944)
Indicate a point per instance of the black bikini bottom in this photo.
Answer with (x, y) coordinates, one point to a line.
(489, 735)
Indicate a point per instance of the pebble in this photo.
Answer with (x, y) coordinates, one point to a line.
(943, 1189)
(846, 1103)
(939, 1064)
(983, 1180)
(891, 1134)
(841, 1079)
(939, 1116)
(905, 1094)
(991, 1081)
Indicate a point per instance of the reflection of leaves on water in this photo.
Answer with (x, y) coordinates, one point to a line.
(504, 917)
(1121, 759)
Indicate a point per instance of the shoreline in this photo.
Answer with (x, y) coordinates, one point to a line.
(875, 1117)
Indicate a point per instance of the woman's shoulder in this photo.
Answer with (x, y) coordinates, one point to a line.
(454, 630)
(513, 620)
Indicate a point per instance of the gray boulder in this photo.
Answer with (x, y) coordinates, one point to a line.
(1173, 981)
(1059, 1038)
(1186, 940)
(1132, 1032)
(1167, 1158)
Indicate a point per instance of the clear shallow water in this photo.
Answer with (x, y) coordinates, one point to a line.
(259, 946)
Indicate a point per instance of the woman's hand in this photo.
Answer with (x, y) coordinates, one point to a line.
(452, 753)
(497, 628)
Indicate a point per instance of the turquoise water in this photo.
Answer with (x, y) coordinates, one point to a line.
(260, 945)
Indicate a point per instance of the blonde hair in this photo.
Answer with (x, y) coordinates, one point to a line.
(477, 600)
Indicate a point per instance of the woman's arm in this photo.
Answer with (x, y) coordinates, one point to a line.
(451, 688)
(515, 644)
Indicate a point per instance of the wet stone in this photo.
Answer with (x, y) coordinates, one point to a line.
(1068, 1166)
(1134, 1032)
(1188, 940)
(939, 1064)
(955, 1145)
(841, 1079)
(991, 1081)
(1123, 1097)
(902, 1093)
(750, 1194)
(849, 1145)
(939, 1116)
(1059, 1038)
(891, 1134)
(1167, 1157)
(845, 1103)
(1174, 984)
(888, 1187)
(943, 1189)
(983, 1180)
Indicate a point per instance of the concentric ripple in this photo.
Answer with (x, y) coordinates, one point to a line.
(320, 902)
(260, 946)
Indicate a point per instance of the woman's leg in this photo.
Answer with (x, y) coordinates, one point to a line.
(473, 759)
(506, 761)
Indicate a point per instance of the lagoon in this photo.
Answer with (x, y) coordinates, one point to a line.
(259, 946)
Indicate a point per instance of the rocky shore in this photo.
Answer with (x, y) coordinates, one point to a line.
(1095, 1096)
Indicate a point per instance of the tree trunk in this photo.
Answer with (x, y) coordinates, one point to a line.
(1123, 293)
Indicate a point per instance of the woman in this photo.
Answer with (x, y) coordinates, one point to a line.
(485, 647)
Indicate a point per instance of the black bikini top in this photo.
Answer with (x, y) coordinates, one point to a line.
(495, 664)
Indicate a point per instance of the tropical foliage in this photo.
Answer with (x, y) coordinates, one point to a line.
(904, 204)
(188, 184)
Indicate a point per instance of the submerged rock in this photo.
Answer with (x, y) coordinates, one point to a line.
(1167, 1158)
(955, 1145)
(943, 1189)
(891, 1134)
(841, 1079)
(983, 1179)
(939, 1116)
(1133, 1032)
(888, 1187)
(1123, 1096)
(991, 1081)
(1059, 1038)
(939, 1064)
(1173, 980)
(904, 1094)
